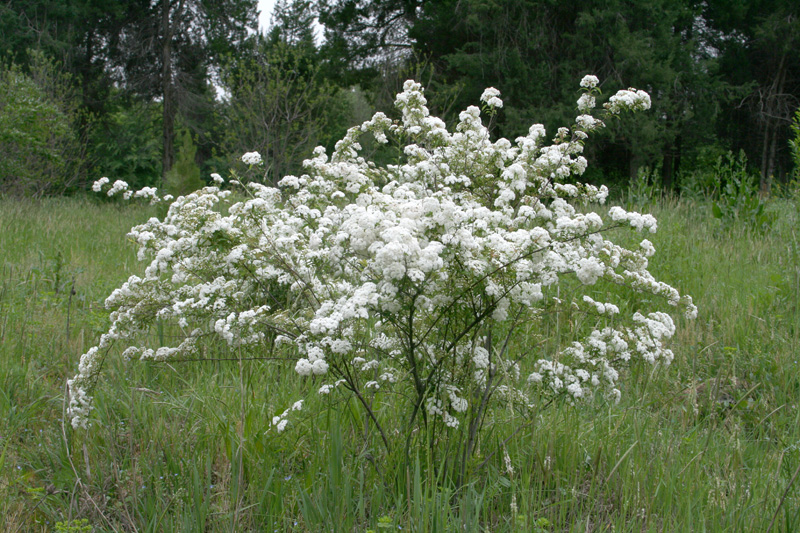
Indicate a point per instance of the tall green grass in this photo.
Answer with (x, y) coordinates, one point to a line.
(709, 444)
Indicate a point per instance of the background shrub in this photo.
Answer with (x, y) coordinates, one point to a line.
(40, 150)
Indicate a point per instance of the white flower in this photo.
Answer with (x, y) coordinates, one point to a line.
(647, 248)
(449, 420)
(491, 97)
(303, 367)
(251, 158)
(319, 367)
(588, 122)
(97, 186)
(589, 81)
(586, 103)
(589, 270)
(117, 186)
(628, 100)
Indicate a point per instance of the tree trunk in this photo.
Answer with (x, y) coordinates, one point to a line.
(86, 71)
(762, 184)
(87, 102)
(633, 167)
(771, 111)
(771, 159)
(168, 124)
(668, 168)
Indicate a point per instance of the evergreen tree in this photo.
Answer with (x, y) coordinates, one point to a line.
(171, 48)
(534, 50)
(759, 45)
(160, 50)
(280, 105)
(184, 176)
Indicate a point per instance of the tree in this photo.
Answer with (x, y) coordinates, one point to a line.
(126, 141)
(363, 37)
(532, 49)
(170, 49)
(794, 145)
(81, 34)
(759, 43)
(184, 176)
(159, 50)
(279, 103)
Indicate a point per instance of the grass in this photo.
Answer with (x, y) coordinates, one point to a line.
(709, 444)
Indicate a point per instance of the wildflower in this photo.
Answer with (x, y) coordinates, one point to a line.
(97, 186)
(251, 158)
(491, 97)
(117, 186)
(586, 103)
(589, 81)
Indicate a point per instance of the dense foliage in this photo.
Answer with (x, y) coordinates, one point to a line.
(41, 152)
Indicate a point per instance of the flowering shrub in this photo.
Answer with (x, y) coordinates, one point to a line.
(413, 278)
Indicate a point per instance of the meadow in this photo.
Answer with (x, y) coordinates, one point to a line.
(710, 443)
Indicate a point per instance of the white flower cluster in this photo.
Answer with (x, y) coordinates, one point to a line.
(279, 422)
(491, 97)
(631, 100)
(587, 365)
(97, 186)
(383, 277)
(636, 220)
(251, 158)
(120, 186)
(589, 81)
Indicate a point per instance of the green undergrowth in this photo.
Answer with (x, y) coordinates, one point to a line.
(710, 443)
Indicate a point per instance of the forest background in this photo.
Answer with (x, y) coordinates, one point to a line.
(163, 93)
